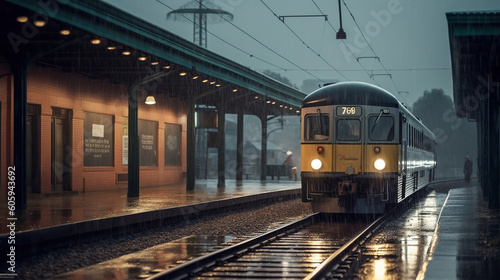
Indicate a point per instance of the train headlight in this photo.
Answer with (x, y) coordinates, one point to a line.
(379, 164)
(316, 164)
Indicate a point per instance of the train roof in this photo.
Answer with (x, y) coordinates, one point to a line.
(350, 93)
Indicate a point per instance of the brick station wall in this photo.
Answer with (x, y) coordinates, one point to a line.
(49, 88)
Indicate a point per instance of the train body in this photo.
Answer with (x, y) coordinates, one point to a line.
(361, 150)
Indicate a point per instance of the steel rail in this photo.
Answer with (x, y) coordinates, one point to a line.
(336, 258)
(196, 265)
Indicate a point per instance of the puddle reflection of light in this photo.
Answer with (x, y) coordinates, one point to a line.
(380, 269)
(316, 257)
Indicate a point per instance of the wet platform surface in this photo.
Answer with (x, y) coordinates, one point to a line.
(447, 235)
(57, 209)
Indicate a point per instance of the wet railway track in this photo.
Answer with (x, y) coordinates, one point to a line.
(309, 248)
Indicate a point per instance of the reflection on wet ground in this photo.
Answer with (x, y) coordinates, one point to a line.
(153, 260)
(401, 249)
(46, 210)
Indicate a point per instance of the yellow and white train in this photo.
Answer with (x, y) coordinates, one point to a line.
(362, 150)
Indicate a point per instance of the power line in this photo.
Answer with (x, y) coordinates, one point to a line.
(380, 61)
(343, 42)
(228, 43)
(267, 47)
(303, 42)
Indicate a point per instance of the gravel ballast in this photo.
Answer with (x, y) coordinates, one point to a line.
(235, 223)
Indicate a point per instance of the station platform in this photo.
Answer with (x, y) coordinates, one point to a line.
(55, 209)
(466, 241)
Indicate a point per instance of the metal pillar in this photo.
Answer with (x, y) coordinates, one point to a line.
(221, 145)
(239, 147)
(19, 67)
(133, 142)
(191, 144)
(263, 150)
(494, 153)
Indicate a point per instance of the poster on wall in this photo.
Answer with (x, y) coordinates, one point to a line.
(148, 139)
(172, 144)
(98, 132)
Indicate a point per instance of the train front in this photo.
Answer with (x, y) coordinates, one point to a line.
(349, 148)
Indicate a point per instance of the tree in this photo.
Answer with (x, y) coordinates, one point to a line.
(278, 77)
(456, 138)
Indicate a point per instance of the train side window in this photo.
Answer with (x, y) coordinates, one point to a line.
(317, 127)
(381, 129)
(348, 130)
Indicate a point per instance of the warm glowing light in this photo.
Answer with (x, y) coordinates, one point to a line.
(142, 58)
(235, 90)
(150, 100)
(166, 67)
(213, 82)
(274, 102)
(65, 32)
(205, 81)
(316, 164)
(39, 23)
(298, 111)
(111, 48)
(95, 41)
(182, 74)
(155, 63)
(379, 164)
(380, 269)
(22, 19)
(281, 105)
(268, 101)
(256, 97)
(126, 53)
(195, 77)
(217, 85)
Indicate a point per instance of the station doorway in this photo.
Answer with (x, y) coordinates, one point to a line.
(61, 149)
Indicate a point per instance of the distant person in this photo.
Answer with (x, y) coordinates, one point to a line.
(467, 169)
(289, 162)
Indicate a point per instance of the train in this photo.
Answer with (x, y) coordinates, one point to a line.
(362, 150)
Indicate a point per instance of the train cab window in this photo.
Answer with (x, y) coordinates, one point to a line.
(317, 127)
(348, 130)
(381, 128)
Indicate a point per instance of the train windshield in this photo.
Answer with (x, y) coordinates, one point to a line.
(381, 130)
(348, 130)
(317, 127)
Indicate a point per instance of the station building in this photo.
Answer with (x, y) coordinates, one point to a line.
(74, 80)
(475, 55)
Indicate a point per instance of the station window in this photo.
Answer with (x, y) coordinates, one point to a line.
(317, 127)
(381, 128)
(348, 130)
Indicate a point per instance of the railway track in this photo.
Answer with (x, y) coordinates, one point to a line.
(306, 249)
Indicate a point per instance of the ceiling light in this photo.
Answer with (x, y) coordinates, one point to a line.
(183, 73)
(212, 82)
(235, 90)
(195, 77)
(166, 67)
(268, 101)
(142, 58)
(205, 81)
(150, 100)
(155, 63)
(95, 41)
(111, 48)
(65, 32)
(39, 23)
(22, 19)
(126, 53)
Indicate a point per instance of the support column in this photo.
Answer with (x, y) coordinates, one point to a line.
(19, 67)
(133, 143)
(190, 143)
(263, 149)
(221, 145)
(494, 152)
(239, 147)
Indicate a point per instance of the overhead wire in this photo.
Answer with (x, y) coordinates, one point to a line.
(368, 43)
(303, 42)
(224, 41)
(343, 42)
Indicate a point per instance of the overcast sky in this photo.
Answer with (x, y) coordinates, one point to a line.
(409, 37)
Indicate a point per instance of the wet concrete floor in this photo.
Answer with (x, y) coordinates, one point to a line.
(153, 260)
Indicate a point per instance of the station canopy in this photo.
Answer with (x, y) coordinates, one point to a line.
(100, 41)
